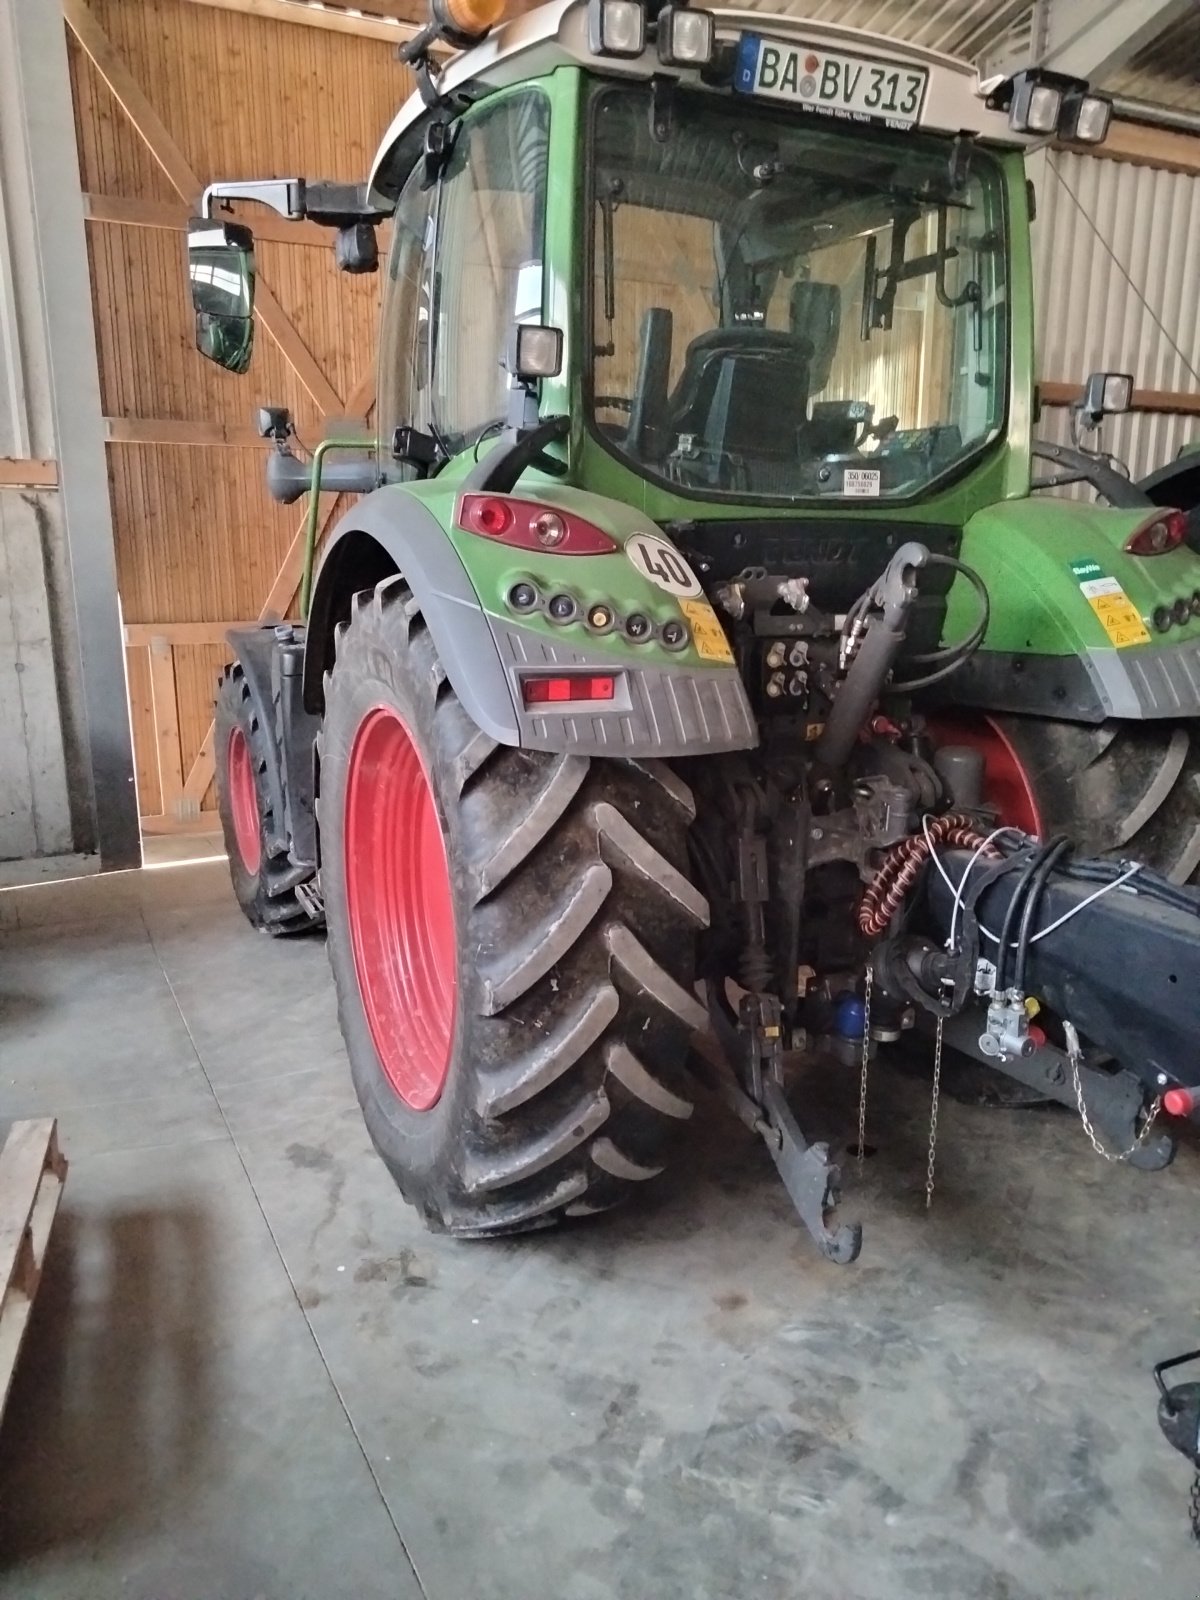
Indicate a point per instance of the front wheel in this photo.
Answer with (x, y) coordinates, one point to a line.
(512, 936)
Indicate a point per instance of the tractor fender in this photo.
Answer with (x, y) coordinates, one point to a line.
(663, 707)
(390, 531)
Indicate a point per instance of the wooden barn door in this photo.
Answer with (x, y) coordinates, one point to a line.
(170, 95)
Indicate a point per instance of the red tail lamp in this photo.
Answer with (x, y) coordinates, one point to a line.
(573, 686)
(530, 526)
(1162, 532)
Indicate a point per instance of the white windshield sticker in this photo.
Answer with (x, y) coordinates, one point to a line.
(861, 481)
(662, 564)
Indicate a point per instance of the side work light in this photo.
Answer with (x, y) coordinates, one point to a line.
(616, 27)
(1086, 118)
(1036, 105)
(685, 37)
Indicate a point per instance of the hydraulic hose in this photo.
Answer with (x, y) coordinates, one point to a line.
(1045, 867)
(1014, 906)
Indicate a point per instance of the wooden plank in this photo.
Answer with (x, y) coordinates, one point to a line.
(154, 134)
(32, 1173)
(124, 212)
(17, 473)
(160, 827)
(365, 24)
(133, 102)
(1177, 402)
(144, 633)
(1144, 146)
(166, 722)
(172, 430)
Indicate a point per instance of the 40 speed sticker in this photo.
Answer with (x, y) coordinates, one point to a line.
(659, 561)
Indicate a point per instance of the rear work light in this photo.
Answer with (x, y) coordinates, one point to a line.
(530, 526)
(1164, 531)
(569, 687)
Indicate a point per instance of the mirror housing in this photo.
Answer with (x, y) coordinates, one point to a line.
(221, 276)
(1105, 394)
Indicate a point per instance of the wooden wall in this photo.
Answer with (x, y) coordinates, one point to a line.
(170, 95)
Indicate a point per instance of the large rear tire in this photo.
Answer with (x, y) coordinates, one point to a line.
(512, 936)
(1121, 789)
(264, 879)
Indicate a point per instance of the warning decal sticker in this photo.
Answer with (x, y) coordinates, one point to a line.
(1118, 615)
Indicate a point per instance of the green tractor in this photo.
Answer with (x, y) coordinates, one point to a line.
(696, 681)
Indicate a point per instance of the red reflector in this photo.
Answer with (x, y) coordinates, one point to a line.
(1162, 532)
(576, 686)
(1180, 1102)
(530, 526)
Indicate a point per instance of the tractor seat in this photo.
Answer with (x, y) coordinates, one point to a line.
(743, 391)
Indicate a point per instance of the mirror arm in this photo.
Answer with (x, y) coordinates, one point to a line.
(284, 195)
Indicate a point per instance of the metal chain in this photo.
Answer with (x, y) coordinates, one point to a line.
(1075, 1056)
(866, 1063)
(1195, 1505)
(933, 1110)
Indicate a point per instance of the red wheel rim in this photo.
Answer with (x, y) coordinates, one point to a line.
(243, 800)
(400, 907)
(1006, 782)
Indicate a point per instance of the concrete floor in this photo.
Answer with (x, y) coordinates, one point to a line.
(252, 1375)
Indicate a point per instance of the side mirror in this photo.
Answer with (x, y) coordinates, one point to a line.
(1106, 394)
(221, 274)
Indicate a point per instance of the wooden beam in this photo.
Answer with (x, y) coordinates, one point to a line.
(124, 212)
(172, 430)
(158, 140)
(16, 473)
(166, 722)
(1144, 146)
(166, 826)
(144, 633)
(1176, 402)
(364, 24)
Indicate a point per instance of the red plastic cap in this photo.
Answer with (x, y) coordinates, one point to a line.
(1038, 1035)
(1180, 1102)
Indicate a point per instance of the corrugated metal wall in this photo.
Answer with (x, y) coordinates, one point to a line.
(1117, 271)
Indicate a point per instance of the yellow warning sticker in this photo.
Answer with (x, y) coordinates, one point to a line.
(1118, 615)
(707, 632)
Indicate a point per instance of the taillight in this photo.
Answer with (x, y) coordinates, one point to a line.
(572, 686)
(531, 526)
(1164, 531)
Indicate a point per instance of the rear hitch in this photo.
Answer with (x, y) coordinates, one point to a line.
(748, 1075)
(1179, 1419)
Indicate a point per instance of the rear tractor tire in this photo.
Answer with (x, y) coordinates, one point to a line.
(512, 936)
(264, 879)
(1122, 789)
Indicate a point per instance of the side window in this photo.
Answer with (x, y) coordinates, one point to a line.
(404, 336)
(489, 262)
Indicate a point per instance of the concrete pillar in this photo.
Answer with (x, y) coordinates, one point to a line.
(66, 764)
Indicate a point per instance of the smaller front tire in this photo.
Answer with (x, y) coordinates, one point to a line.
(264, 879)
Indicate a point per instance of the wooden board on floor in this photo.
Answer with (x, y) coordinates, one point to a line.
(32, 1173)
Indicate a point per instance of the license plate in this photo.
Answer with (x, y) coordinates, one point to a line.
(854, 88)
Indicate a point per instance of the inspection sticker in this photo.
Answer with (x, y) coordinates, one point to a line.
(707, 633)
(1118, 615)
(861, 481)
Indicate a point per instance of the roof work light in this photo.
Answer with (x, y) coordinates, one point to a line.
(1051, 103)
(616, 27)
(685, 37)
